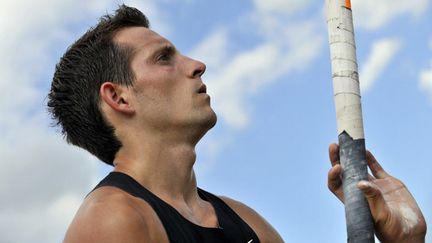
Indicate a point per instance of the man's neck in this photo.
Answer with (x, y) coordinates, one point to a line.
(163, 167)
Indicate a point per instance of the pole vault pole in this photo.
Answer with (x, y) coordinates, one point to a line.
(346, 90)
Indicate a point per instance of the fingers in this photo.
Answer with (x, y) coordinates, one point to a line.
(334, 182)
(375, 167)
(374, 197)
(334, 154)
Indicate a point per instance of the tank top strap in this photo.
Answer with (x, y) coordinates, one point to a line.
(229, 220)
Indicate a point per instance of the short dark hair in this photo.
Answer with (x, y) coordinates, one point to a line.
(95, 58)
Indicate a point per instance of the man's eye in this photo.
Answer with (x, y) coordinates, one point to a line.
(163, 57)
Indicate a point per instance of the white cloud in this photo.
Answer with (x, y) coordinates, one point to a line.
(372, 14)
(33, 30)
(425, 77)
(246, 73)
(426, 81)
(38, 224)
(214, 48)
(281, 6)
(40, 174)
(231, 84)
(153, 13)
(380, 56)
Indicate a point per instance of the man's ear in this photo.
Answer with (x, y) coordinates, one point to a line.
(115, 96)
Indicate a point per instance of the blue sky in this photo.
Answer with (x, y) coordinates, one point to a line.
(268, 72)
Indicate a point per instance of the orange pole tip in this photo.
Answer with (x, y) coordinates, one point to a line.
(348, 4)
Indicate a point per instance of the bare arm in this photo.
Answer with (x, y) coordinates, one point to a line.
(265, 232)
(396, 214)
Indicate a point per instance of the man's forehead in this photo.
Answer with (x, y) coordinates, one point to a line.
(138, 37)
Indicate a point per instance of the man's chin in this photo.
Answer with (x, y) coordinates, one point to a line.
(208, 122)
(212, 120)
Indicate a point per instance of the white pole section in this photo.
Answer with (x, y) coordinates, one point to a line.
(346, 89)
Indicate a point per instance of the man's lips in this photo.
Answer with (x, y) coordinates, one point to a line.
(202, 89)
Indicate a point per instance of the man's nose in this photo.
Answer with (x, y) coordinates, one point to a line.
(198, 68)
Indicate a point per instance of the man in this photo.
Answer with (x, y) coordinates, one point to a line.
(125, 94)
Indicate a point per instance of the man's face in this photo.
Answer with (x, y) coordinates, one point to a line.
(168, 91)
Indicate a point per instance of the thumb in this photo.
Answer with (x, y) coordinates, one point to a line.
(374, 197)
(369, 189)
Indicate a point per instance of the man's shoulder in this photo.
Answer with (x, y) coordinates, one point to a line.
(109, 214)
(265, 232)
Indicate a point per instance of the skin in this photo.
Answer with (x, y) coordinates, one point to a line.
(397, 217)
(159, 121)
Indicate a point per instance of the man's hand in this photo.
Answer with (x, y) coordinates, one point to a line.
(396, 215)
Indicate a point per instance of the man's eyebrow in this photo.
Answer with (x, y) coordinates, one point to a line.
(165, 48)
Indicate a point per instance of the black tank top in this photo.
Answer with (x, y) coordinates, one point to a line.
(232, 229)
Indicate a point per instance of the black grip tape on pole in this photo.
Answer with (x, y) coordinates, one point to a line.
(352, 154)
